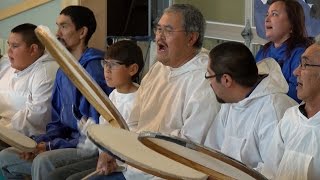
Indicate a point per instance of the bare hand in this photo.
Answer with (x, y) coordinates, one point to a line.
(41, 147)
(106, 164)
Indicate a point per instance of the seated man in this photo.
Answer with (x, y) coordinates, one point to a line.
(294, 150)
(173, 97)
(26, 81)
(57, 147)
(252, 103)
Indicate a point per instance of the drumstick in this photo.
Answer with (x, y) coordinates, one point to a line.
(90, 175)
(80, 78)
(119, 169)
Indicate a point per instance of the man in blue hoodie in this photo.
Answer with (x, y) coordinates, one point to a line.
(57, 147)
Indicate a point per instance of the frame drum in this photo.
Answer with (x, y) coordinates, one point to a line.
(125, 146)
(17, 140)
(80, 78)
(208, 161)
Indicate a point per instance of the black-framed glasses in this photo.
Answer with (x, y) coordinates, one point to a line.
(304, 64)
(112, 64)
(167, 30)
(206, 76)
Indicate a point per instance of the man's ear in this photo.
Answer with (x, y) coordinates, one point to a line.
(34, 49)
(133, 69)
(193, 37)
(226, 80)
(83, 32)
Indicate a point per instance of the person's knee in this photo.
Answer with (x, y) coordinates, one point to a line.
(41, 158)
(7, 155)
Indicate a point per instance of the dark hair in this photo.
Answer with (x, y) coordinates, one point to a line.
(235, 59)
(81, 17)
(193, 20)
(298, 36)
(127, 52)
(28, 34)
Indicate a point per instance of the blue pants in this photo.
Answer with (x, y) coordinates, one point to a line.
(13, 167)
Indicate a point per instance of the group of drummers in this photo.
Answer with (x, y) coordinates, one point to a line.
(222, 114)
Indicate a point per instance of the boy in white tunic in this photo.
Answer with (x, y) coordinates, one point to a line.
(295, 148)
(122, 65)
(253, 103)
(27, 74)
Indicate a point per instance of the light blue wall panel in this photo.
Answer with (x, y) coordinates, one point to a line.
(45, 14)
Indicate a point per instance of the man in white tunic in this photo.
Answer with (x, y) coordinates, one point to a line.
(253, 102)
(174, 97)
(295, 148)
(27, 74)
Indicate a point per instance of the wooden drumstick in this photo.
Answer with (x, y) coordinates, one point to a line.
(119, 169)
(90, 175)
(80, 78)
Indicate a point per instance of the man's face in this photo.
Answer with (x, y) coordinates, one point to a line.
(216, 86)
(67, 33)
(308, 74)
(20, 54)
(172, 40)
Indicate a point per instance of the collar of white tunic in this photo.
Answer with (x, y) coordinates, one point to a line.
(18, 73)
(199, 61)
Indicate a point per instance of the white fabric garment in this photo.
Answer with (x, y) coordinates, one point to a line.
(25, 103)
(243, 130)
(176, 101)
(124, 104)
(294, 152)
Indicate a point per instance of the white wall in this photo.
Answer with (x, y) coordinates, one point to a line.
(45, 14)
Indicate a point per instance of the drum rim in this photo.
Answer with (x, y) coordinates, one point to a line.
(143, 138)
(14, 143)
(152, 171)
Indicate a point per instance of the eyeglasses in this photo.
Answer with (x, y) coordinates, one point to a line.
(304, 64)
(112, 64)
(206, 76)
(166, 31)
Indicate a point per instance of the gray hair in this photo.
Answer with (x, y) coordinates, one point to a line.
(193, 20)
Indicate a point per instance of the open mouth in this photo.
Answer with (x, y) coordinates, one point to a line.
(62, 41)
(11, 59)
(299, 83)
(268, 27)
(162, 46)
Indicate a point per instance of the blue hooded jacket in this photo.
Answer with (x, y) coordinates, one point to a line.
(68, 104)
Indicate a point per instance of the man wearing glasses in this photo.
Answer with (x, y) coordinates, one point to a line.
(173, 97)
(253, 103)
(295, 145)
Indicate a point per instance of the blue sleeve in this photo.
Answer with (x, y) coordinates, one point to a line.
(292, 81)
(259, 55)
(56, 131)
(95, 69)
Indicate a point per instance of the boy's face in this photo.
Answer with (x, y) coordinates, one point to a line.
(20, 54)
(116, 74)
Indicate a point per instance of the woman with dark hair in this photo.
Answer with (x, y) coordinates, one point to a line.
(285, 29)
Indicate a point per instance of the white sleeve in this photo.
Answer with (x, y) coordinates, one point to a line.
(275, 152)
(37, 112)
(199, 113)
(216, 133)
